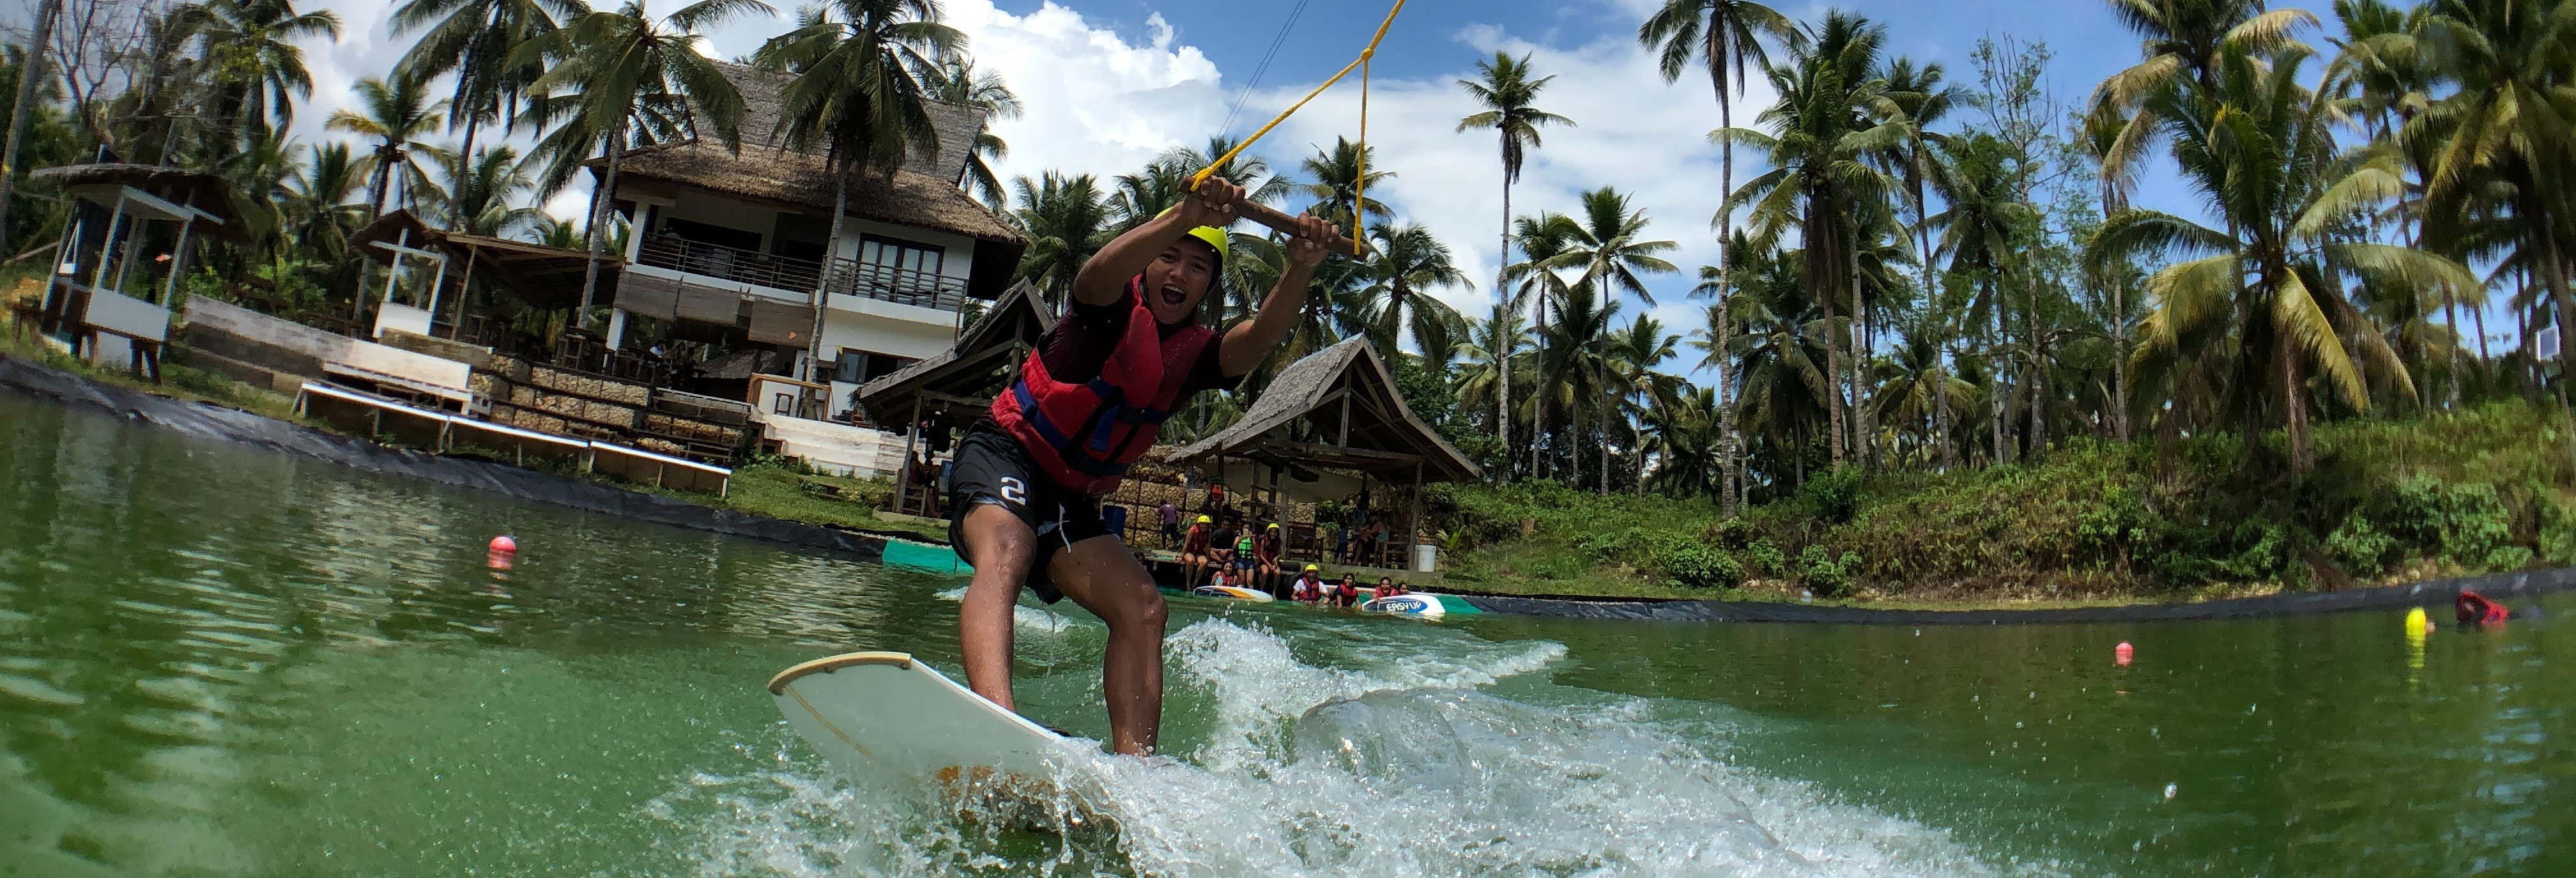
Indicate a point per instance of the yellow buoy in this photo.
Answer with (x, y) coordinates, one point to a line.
(2415, 628)
(2415, 620)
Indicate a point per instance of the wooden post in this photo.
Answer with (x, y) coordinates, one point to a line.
(107, 246)
(1413, 529)
(178, 263)
(456, 332)
(911, 437)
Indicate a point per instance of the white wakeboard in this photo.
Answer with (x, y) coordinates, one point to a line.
(1228, 591)
(1422, 605)
(889, 715)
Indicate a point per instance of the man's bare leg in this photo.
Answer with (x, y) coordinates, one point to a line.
(1102, 577)
(1002, 546)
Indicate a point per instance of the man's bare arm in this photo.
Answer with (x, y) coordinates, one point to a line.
(1249, 341)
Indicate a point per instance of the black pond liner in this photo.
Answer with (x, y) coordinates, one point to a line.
(218, 423)
(2435, 594)
(213, 422)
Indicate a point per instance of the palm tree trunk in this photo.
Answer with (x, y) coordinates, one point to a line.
(1725, 334)
(1995, 387)
(2119, 361)
(31, 70)
(2303, 455)
(1820, 275)
(1862, 435)
(1941, 409)
(1601, 421)
(1728, 484)
(602, 200)
(1502, 340)
(2485, 366)
(2038, 367)
(823, 281)
(1540, 463)
(473, 126)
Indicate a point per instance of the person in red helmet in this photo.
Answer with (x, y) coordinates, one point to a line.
(1026, 484)
(2474, 609)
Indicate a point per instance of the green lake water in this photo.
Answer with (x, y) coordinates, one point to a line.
(216, 661)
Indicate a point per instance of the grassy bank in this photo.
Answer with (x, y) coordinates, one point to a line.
(2481, 490)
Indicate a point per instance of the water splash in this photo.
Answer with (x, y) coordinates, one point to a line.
(1404, 768)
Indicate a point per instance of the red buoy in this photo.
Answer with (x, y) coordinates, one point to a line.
(504, 543)
(2121, 654)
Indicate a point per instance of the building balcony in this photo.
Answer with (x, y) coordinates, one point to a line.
(793, 278)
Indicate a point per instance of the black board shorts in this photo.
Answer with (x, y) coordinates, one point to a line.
(991, 469)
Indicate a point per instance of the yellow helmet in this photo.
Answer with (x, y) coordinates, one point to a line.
(1274, 525)
(1203, 519)
(1310, 568)
(1209, 235)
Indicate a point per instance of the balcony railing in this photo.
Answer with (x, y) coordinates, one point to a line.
(744, 266)
(849, 277)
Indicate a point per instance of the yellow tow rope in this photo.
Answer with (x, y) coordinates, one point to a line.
(1359, 208)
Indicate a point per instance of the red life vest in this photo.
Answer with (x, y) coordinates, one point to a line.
(1086, 435)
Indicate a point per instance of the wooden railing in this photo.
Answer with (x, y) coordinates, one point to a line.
(849, 277)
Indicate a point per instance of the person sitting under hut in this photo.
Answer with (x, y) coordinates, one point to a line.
(1265, 560)
(1196, 556)
(1221, 546)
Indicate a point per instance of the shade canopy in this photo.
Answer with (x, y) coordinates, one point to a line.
(1338, 409)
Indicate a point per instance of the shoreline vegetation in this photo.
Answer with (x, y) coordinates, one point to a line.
(2479, 490)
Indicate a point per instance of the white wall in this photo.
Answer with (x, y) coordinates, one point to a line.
(330, 348)
(908, 331)
(839, 449)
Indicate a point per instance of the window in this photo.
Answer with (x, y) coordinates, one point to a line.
(899, 253)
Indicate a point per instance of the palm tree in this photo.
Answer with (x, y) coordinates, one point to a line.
(2508, 121)
(1493, 350)
(1507, 92)
(397, 116)
(475, 40)
(609, 67)
(2184, 42)
(1980, 229)
(1574, 354)
(1916, 389)
(1779, 356)
(1724, 35)
(1410, 263)
(2261, 149)
(1136, 199)
(253, 51)
(1336, 186)
(1822, 181)
(955, 80)
(1603, 242)
(488, 195)
(858, 94)
(1543, 240)
(1066, 220)
(1633, 354)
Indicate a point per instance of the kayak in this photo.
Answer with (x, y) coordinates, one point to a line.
(1228, 591)
(1426, 606)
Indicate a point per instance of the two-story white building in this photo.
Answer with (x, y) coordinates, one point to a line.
(729, 246)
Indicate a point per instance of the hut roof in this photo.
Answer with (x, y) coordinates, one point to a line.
(973, 367)
(1340, 391)
(206, 192)
(542, 276)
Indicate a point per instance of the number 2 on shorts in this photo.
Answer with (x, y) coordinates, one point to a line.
(1014, 492)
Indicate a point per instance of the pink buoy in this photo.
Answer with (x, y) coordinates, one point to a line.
(504, 543)
(2121, 654)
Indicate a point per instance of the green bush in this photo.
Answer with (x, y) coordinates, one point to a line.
(1835, 495)
(1827, 575)
(2359, 546)
(2557, 534)
(2465, 524)
(1689, 563)
(1766, 559)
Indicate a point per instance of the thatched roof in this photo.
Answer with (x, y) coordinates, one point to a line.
(974, 367)
(1300, 417)
(206, 192)
(955, 124)
(800, 181)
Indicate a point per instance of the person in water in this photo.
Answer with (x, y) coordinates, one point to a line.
(1265, 560)
(2475, 609)
(1195, 556)
(1089, 401)
(1347, 593)
(1386, 587)
(1308, 588)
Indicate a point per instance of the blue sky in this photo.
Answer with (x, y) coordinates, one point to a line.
(1112, 83)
